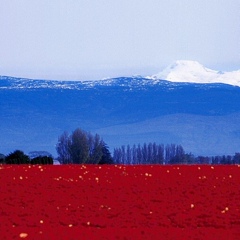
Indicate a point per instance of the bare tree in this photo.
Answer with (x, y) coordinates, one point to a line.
(64, 148)
(82, 147)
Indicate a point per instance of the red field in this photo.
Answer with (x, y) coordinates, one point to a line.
(119, 202)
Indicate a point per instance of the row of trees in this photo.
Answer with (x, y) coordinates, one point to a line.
(224, 159)
(150, 153)
(18, 157)
(153, 153)
(82, 147)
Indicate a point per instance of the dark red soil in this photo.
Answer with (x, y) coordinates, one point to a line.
(119, 202)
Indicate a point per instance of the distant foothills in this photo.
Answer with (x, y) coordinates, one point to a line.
(193, 107)
(82, 147)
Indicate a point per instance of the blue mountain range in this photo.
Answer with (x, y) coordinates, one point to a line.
(203, 118)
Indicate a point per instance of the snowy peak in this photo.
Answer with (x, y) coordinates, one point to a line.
(194, 72)
(182, 71)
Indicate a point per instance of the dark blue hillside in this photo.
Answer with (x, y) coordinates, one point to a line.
(44, 109)
(121, 101)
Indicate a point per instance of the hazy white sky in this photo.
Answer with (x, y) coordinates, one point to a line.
(93, 39)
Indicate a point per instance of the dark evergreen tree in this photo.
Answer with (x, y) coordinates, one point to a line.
(17, 157)
(106, 155)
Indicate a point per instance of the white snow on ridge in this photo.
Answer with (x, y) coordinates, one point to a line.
(192, 71)
(181, 71)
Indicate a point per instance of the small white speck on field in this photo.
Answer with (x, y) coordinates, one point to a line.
(23, 235)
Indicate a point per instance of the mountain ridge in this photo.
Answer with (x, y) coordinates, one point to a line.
(181, 71)
(7, 82)
(33, 113)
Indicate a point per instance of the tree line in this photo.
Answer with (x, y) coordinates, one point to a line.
(19, 157)
(153, 153)
(81, 147)
(150, 153)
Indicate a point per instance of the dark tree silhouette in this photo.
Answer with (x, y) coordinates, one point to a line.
(17, 157)
(236, 158)
(63, 148)
(2, 158)
(42, 160)
(106, 155)
(82, 148)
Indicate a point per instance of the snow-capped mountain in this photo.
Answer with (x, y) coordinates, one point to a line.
(182, 71)
(194, 72)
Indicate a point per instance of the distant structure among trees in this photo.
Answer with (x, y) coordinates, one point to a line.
(34, 154)
(42, 160)
(82, 148)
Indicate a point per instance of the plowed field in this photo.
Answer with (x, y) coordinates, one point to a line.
(119, 202)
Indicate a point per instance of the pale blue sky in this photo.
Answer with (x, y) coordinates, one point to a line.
(93, 39)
